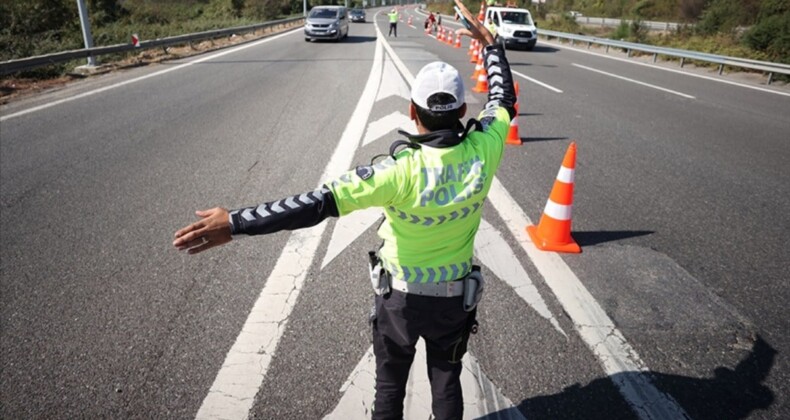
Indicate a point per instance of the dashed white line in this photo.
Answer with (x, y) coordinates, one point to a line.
(652, 66)
(537, 82)
(674, 92)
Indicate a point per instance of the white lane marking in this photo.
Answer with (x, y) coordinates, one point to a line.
(674, 92)
(495, 253)
(384, 125)
(147, 76)
(347, 230)
(653, 66)
(537, 82)
(481, 397)
(594, 326)
(591, 322)
(233, 391)
(392, 83)
(404, 71)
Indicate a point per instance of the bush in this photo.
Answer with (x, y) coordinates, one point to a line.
(721, 16)
(622, 32)
(562, 23)
(772, 36)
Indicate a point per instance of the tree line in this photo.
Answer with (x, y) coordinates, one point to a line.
(34, 27)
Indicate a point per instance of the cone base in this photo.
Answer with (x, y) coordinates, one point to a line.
(571, 247)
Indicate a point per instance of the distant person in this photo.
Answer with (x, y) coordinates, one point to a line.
(439, 19)
(431, 21)
(393, 15)
(491, 26)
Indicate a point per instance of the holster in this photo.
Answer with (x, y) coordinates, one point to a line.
(379, 278)
(473, 288)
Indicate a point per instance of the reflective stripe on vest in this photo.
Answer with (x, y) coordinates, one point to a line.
(428, 274)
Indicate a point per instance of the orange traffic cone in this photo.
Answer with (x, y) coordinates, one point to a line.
(457, 41)
(553, 233)
(471, 50)
(409, 22)
(512, 136)
(482, 14)
(478, 68)
(482, 83)
(449, 38)
(439, 34)
(515, 85)
(474, 57)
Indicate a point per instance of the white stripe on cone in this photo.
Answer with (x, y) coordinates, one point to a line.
(557, 211)
(565, 175)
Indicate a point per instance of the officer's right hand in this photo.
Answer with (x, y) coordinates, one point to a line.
(477, 30)
(213, 229)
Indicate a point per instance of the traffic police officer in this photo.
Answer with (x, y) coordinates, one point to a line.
(393, 17)
(491, 26)
(432, 193)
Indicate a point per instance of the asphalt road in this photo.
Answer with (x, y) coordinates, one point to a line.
(680, 208)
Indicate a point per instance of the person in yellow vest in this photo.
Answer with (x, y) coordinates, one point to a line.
(491, 27)
(431, 193)
(393, 16)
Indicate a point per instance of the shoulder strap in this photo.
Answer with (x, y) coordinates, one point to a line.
(398, 143)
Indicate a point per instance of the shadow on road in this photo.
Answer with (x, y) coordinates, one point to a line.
(351, 39)
(537, 139)
(357, 39)
(543, 49)
(729, 394)
(601, 236)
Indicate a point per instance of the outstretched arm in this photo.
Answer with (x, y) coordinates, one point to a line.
(501, 91)
(217, 225)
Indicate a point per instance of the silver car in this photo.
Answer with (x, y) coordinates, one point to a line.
(326, 22)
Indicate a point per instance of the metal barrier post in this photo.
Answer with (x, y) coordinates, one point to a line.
(86, 30)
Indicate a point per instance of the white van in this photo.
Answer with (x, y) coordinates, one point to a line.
(514, 27)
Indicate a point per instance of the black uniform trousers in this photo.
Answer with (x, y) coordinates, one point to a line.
(401, 319)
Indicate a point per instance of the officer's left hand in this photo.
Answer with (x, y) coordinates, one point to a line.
(212, 230)
(476, 30)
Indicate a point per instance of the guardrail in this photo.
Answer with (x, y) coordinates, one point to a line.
(684, 55)
(29, 63)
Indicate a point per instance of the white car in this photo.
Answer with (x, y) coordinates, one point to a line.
(515, 27)
(326, 22)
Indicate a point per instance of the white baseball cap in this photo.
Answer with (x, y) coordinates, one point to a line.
(438, 77)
